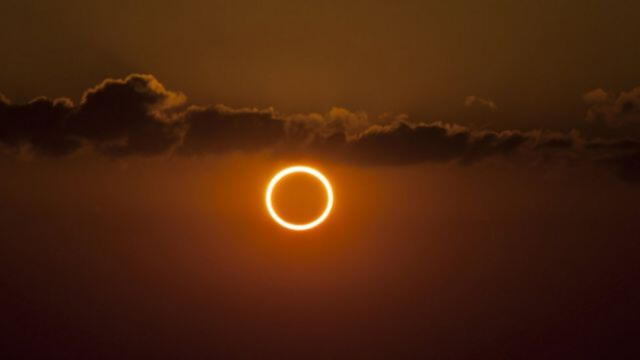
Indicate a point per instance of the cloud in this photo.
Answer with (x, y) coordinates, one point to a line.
(473, 100)
(137, 115)
(625, 166)
(620, 155)
(595, 96)
(129, 116)
(41, 123)
(117, 117)
(402, 143)
(4, 100)
(219, 129)
(559, 140)
(613, 110)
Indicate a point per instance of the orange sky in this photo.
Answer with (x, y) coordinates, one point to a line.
(184, 252)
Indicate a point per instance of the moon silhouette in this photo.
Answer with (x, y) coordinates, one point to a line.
(293, 170)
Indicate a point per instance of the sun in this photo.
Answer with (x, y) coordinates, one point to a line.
(293, 170)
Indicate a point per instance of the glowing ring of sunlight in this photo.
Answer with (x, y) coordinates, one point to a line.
(306, 170)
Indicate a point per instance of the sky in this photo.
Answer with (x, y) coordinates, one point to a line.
(484, 156)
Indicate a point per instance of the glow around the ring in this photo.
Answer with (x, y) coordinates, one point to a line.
(306, 170)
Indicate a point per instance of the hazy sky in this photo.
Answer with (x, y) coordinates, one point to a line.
(534, 59)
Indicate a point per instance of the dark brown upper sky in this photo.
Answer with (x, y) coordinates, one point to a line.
(534, 59)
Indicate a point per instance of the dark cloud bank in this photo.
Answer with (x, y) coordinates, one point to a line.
(138, 116)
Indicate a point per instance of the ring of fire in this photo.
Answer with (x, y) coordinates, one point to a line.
(306, 170)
